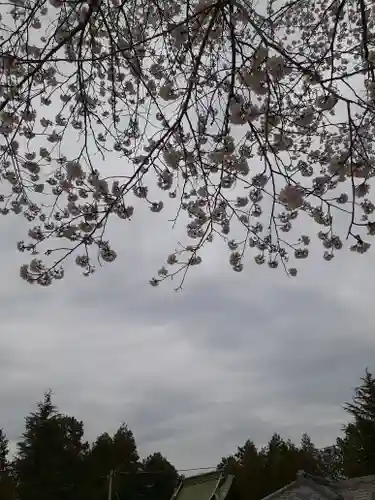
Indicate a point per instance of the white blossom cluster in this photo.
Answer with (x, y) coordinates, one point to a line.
(252, 116)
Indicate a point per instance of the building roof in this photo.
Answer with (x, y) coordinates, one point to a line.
(355, 481)
(211, 485)
(328, 490)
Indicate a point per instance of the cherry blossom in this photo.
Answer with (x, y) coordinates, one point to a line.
(246, 118)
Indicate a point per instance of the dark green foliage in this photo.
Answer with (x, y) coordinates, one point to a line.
(259, 472)
(113, 453)
(51, 455)
(357, 447)
(159, 478)
(54, 462)
(7, 484)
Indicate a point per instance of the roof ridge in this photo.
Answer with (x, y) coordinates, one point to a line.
(325, 481)
(355, 480)
(203, 475)
(322, 485)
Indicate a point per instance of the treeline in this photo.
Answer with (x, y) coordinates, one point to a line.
(54, 462)
(261, 471)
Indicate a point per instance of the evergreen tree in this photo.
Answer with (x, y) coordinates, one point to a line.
(259, 472)
(307, 446)
(7, 484)
(247, 466)
(309, 458)
(357, 447)
(251, 471)
(117, 455)
(228, 465)
(158, 479)
(127, 465)
(3, 451)
(50, 456)
(281, 463)
(54, 462)
(100, 463)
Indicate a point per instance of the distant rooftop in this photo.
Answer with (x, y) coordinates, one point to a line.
(205, 486)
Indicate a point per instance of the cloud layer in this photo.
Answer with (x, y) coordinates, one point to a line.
(193, 373)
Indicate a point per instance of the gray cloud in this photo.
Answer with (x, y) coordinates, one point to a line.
(193, 373)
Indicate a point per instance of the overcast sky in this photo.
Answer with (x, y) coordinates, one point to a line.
(194, 373)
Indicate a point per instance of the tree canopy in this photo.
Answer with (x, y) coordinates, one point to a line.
(239, 118)
(53, 459)
(358, 444)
